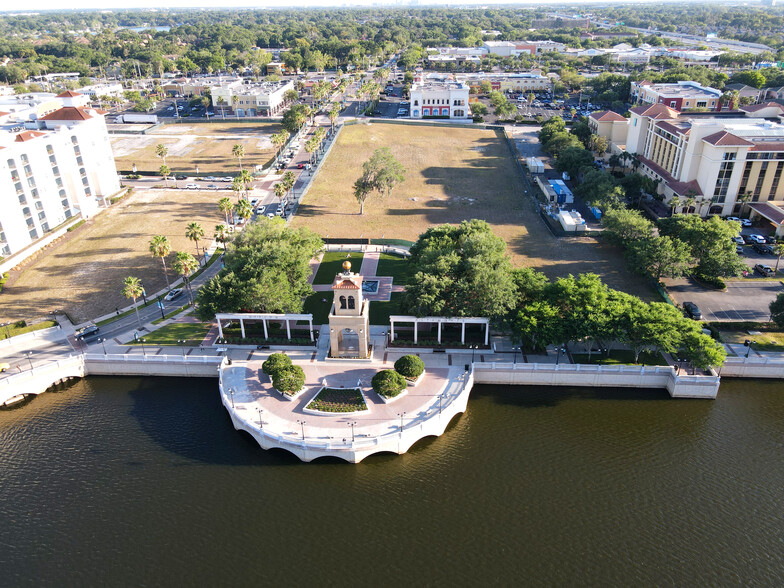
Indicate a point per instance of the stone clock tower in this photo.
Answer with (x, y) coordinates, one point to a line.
(349, 315)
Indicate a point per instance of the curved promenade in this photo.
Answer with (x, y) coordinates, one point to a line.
(275, 422)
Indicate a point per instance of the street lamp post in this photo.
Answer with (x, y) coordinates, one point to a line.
(29, 355)
(261, 423)
(401, 415)
(515, 349)
(302, 424)
(160, 307)
(351, 424)
(748, 343)
(440, 398)
(181, 343)
(231, 393)
(103, 344)
(144, 349)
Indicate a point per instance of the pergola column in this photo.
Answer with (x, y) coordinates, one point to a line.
(242, 328)
(392, 332)
(220, 329)
(264, 324)
(439, 332)
(487, 332)
(416, 330)
(288, 330)
(310, 326)
(462, 332)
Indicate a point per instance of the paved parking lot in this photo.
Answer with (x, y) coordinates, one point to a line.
(744, 300)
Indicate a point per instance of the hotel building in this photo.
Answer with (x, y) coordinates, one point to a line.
(52, 168)
(445, 99)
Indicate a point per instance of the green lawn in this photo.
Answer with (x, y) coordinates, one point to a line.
(20, 328)
(380, 311)
(332, 264)
(192, 333)
(765, 341)
(620, 357)
(319, 310)
(395, 266)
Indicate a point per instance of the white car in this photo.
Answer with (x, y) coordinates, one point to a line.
(757, 239)
(173, 294)
(191, 186)
(744, 222)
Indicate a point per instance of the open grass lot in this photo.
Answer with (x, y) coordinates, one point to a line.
(453, 174)
(83, 273)
(332, 264)
(620, 357)
(206, 145)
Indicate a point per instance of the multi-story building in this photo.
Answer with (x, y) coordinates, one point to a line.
(679, 96)
(59, 167)
(510, 82)
(251, 99)
(515, 48)
(714, 159)
(445, 99)
(97, 90)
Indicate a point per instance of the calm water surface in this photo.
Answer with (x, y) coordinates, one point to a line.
(144, 481)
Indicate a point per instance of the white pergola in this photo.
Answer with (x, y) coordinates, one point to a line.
(263, 317)
(462, 321)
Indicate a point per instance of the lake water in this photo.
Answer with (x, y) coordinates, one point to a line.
(144, 481)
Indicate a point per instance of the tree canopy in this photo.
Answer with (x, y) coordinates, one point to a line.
(266, 270)
(460, 271)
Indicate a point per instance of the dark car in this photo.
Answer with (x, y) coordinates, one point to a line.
(763, 249)
(180, 177)
(770, 239)
(692, 310)
(87, 332)
(764, 270)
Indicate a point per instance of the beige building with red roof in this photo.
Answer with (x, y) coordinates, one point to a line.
(715, 160)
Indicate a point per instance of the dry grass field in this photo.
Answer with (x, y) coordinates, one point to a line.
(453, 174)
(206, 145)
(83, 273)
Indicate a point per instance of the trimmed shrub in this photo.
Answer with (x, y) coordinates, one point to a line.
(410, 366)
(388, 383)
(288, 380)
(275, 362)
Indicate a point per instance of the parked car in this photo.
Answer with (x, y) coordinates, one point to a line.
(692, 311)
(763, 249)
(180, 177)
(226, 179)
(172, 294)
(300, 166)
(770, 239)
(191, 186)
(744, 222)
(755, 238)
(212, 187)
(738, 240)
(254, 202)
(764, 270)
(4, 366)
(88, 331)
(739, 249)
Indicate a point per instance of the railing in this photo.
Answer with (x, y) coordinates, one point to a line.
(394, 249)
(49, 373)
(135, 358)
(577, 367)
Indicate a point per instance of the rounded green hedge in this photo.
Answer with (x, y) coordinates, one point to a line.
(288, 380)
(388, 383)
(410, 366)
(275, 362)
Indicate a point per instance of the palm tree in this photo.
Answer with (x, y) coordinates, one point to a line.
(185, 266)
(161, 151)
(247, 181)
(288, 181)
(690, 201)
(165, 172)
(238, 151)
(222, 104)
(280, 191)
(778, 250)
(744, 200)
(334, 113)
(234, 101)
(225, 206)
(221, 234)
(279, 140)
(675, 203)
(237, 186)
(160, 247)
(310, 147)
(243, 209)
(194, 232)
(132, 288)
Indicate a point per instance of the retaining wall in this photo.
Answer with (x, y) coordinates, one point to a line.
(619, 376)
(752, 367)
(205, 366)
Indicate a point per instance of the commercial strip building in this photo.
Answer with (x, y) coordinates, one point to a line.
(509, 82)
(515, 48)
(52, 168)
(440, 99)
(250, 99)
(680, 96)
(713, 159)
